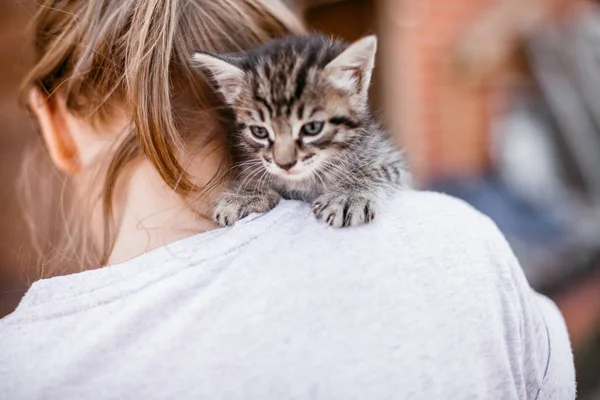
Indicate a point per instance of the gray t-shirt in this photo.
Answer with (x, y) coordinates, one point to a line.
(427, 302)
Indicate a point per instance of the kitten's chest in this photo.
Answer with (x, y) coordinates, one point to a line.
(305, 191)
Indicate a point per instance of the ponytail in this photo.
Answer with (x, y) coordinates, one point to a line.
(148, 59)
(147, 74)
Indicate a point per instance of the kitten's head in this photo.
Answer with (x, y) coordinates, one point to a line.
(299, 102)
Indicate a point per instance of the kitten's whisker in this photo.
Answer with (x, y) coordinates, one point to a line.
(254, 173)
(257, 186)
(260, 180)
(242, 186)
(321, 178)
(247, 164)
(267, 179)
(244, 164)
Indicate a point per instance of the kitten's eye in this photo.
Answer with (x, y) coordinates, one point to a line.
(259, 132)
(312, 128)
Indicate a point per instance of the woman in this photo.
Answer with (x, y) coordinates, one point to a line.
(427, 302)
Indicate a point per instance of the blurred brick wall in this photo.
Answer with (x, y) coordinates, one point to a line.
(16, 131)
(454, 118)
(442, 122)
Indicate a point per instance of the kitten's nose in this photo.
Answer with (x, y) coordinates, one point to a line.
(287, 166)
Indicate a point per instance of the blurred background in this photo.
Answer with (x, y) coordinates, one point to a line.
(496, 102)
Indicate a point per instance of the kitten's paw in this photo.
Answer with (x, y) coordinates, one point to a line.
(340, 210)
(232, 206)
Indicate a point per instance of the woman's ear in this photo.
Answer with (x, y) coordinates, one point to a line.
(52, 116)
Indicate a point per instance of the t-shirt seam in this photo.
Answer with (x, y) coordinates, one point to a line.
(126, 295)
(548, 358)
(21, 321)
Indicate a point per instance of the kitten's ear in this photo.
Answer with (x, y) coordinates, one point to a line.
(352, 69)
(228, 77)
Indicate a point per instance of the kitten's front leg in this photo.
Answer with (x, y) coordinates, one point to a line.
(346, 209)
(233, 204)
(357, 199)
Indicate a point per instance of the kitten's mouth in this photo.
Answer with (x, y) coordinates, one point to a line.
(303, 170)
(294, 173)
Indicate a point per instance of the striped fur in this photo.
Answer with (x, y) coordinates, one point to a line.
(281, 94)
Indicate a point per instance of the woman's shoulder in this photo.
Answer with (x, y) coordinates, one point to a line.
(424, 230)
(425, 208)
(420, 217)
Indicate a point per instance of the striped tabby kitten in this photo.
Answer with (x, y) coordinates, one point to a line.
(305, 130)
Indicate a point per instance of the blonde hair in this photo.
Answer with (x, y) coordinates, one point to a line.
(109, 55)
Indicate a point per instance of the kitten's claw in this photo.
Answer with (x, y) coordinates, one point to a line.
(226, 215)
(232, 206)
(341, 210)
(330, 219)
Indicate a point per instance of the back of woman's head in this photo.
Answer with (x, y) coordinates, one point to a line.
(107, 58)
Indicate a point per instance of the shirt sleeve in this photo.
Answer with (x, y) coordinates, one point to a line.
(559, 377)
(545, 358)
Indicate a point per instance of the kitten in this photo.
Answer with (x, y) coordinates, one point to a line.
(304, 130)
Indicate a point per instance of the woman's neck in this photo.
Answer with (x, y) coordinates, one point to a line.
(153, 215)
